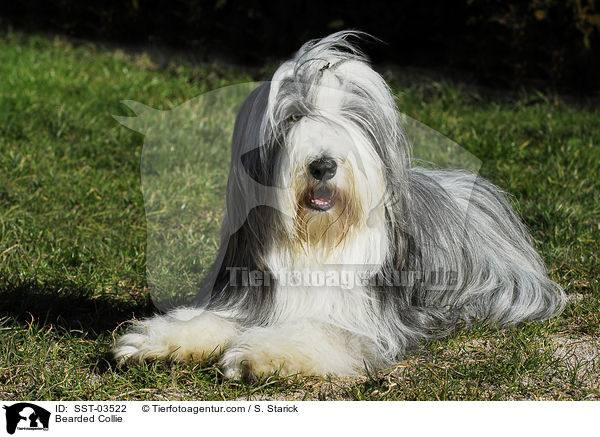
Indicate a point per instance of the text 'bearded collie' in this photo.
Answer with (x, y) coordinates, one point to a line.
(336, 254)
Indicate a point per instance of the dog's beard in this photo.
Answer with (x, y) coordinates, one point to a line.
(325, 213)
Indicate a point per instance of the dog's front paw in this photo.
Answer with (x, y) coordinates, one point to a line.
(250, 364)
(145, 339)
(181, 338)
(306, 347)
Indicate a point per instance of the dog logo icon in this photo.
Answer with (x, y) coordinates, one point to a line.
(26, 416)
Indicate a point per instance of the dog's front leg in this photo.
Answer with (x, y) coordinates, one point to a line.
(307, 347)
(185, 333)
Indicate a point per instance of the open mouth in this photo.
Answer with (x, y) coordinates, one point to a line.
(320, 199)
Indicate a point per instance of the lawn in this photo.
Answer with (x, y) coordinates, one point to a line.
(73, 232)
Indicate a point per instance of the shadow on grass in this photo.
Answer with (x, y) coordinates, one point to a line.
(69, 307)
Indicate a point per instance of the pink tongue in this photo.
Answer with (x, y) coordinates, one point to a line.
(320, 202)
(320, 199)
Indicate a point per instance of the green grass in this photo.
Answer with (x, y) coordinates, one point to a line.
(73, 233)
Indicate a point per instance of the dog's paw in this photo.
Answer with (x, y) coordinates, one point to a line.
(250, 365)
(307, 347)
(167, 337)
(254, 356)
(144, 340)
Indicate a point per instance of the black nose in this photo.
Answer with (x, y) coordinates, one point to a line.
(322, 169)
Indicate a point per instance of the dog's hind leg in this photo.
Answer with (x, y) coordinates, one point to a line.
(184, 333)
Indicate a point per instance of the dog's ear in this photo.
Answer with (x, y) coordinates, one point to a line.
(248, 185)
(247, 150)
(249, 123)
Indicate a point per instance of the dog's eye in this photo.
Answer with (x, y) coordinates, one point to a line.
(294, 118)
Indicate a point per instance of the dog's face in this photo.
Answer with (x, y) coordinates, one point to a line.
(328, 117)
(332, 180)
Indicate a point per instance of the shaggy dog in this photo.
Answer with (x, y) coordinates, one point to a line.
(337, 254)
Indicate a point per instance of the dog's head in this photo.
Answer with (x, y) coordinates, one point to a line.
(323, 145)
